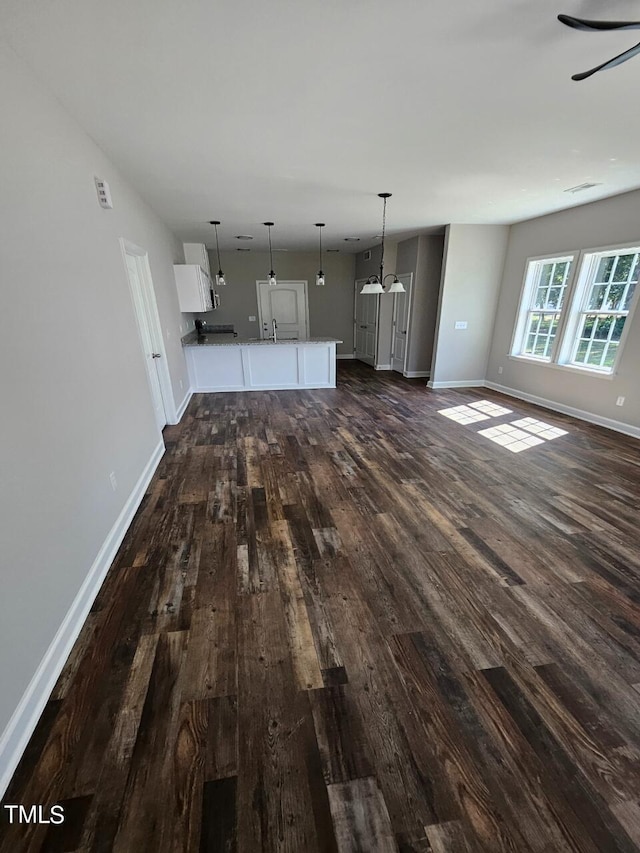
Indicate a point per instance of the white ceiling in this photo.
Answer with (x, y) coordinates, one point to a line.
(300, 111)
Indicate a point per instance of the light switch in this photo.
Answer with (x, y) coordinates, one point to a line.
(252, 319)
(461, 324)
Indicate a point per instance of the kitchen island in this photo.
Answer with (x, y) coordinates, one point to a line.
(227, 363)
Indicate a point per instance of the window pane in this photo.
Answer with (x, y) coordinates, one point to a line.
(604, 268)
(636, 269)
(610, 358)
(630, 292)
(554, 300)
(603, 324)
(541, 297)
(531, 339)
(587, 328)
(617, 329)
(540, 346)
(559, 275)
(614, 297)
(597, 351)
(545, 277)
(582, 351)
(623, 267)
(597, 296)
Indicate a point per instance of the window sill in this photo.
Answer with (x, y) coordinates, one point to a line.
(571, 368)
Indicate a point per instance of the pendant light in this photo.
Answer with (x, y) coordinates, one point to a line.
(220, 279)
(375, 283)
(272, 276)
(320, 280)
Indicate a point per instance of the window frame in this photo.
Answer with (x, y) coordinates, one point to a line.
(589, 261)
(579, 282)
(529, 286)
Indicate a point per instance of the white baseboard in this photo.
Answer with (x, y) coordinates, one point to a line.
(458, 383)
(580, 414)
(382, 367)
(15, 737)
(416, 374)
(183, 406)
(342, 355)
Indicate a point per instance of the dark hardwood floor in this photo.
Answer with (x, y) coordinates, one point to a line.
(342, 621)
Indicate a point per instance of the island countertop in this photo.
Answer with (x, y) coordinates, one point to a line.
(223, 340)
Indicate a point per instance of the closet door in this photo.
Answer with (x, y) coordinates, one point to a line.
(365, 325)
(401, 311)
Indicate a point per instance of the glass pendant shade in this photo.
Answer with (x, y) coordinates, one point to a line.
(220, 279)
(272, 279)
(372, 287)
(320, 278)
(397, 287)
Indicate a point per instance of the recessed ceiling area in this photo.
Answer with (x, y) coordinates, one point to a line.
(302, 112)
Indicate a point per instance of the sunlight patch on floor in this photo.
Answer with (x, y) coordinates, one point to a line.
(489, 408)
(463, 415)
(511, 437)
(539, 428)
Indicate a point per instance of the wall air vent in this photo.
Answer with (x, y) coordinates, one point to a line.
(351, 239)
(332, 250)
(581, 187)
(367, 255)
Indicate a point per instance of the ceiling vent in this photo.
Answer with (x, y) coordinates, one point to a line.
(581, 187)
(244, 237)
(351, 239)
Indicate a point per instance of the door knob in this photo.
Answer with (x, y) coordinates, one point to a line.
(156, 355)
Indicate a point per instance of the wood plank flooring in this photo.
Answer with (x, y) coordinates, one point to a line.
(343, 622)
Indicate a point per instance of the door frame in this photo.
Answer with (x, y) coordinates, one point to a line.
(409, 289)
(356, 291)
(145, 309)
(303, 281)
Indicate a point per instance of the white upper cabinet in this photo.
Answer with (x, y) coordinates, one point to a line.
(194, 288)
(196, 253)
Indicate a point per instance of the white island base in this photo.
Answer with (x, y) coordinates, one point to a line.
(261, 365)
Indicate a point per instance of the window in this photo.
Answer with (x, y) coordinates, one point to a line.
(577, 321)
(610, 282)
(541, 309)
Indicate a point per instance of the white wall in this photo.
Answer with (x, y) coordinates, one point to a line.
(608, 222)
(471, 275)
(330, 307)
(75, 398)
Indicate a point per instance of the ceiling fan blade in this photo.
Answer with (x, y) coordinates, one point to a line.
(610, 63)
(595, 26)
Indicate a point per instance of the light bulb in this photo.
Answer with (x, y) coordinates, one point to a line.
(220, 279)
(272, 279)
(320, 279)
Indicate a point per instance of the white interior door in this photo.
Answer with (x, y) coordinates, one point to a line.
(401, 310)
(366, 325)
(286, 303)
(149, 327)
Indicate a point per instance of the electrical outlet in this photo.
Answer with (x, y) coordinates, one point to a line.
(620, 401)
(180, 328)
(180, 384)
(252, 319)
(461, 324)
(500, 369)
(113, 481)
